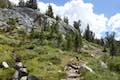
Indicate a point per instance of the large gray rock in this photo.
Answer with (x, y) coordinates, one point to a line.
(5, 65)
(27, 18)
(22, 19)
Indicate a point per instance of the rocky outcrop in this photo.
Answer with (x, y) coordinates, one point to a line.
(28, 18)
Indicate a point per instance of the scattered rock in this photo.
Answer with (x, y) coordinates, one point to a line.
(103, 65)
(24, 78)
(5, 65)
(86, 67)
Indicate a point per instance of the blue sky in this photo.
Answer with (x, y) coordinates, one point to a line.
(108, 7)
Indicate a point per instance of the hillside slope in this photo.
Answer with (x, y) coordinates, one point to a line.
(49, 62)
(39, 53)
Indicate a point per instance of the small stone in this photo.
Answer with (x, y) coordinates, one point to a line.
(5, 64)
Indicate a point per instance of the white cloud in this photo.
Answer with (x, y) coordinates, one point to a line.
(16, 1)
(114, 23)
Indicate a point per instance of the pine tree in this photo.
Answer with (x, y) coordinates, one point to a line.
(78, 37)
(60, 40)
(69, 41)
(77, 25)
(49, 12)
(32, 4)
(112, 49)
(102, 42)
(58, 18)
(66, 20)
(110, 40)
(86, 33)
(89, 35)
(54, 30)
(55, 27)
(21, 3)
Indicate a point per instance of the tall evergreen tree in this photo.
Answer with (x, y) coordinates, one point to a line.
(58, 18)
(77, 25)
(32, 4)
(69, 41)
(89, 35)
(60, 40)
(54, 30)
(111, 43)
(78, 37)
(21, 3)
(66, 20)
(102, 42)
(49, 12)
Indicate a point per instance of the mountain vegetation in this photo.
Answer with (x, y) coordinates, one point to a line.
(5, 4)
(47, 49)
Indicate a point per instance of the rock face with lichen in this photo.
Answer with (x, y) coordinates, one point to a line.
(27, 19)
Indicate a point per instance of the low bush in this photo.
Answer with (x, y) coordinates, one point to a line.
(4, 3)
(114, 63)
(6, 74)
(55, 60)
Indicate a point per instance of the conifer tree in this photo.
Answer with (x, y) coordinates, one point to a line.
(69, 41)
(58, 18)
(102, 42)
(21, 3)
(60, 40)
(111, 43)
(32, 4)
(89, 35)
(49, 12)
(66, 20)
(78, 37)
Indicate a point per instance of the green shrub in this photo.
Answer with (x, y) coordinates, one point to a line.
(44, 42)
(106, 75)
(12, 23)
(61, 75)
(26, 54)
(6, 74)
(55, 60)
(40, 50)
(114, 63)
(8, 41)
(89, 76)
(4, 3)
(30, 46)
